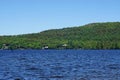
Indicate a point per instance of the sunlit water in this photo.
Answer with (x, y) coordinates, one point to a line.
(60, 65)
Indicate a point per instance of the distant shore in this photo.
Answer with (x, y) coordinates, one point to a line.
(90, 36)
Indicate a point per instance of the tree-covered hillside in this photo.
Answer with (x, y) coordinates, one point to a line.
(90, 36)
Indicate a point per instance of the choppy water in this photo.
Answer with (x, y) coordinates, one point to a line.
(60, 65)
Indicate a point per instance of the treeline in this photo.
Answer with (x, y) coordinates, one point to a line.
(90, 36)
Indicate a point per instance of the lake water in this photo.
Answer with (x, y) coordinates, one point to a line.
(60, 65)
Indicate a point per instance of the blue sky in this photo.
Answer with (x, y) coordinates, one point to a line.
(31, 16)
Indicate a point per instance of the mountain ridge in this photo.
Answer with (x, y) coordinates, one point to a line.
(89, 36)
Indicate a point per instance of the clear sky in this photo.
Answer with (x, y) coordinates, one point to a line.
(30, 16)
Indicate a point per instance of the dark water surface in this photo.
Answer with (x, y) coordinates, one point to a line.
(60, 65)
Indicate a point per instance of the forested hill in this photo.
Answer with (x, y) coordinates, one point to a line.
(90, 36)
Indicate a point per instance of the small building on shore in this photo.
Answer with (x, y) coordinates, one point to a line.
(64, 45)
(5, 46)
(45, 47)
